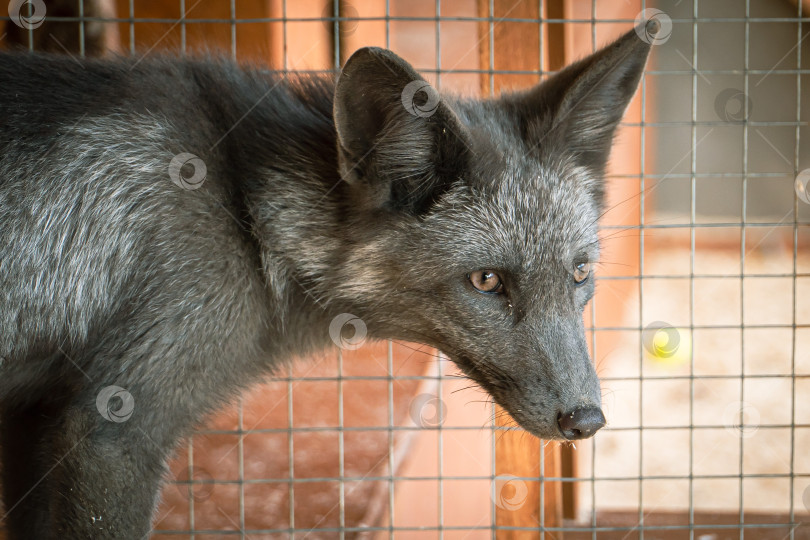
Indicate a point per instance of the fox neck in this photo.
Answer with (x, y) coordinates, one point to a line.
(296, 200)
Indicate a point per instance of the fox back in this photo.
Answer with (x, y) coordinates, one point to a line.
(172, 231)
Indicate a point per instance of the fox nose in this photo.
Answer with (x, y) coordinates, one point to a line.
(581, 423)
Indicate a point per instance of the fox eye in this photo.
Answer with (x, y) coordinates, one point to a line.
(486, 281)
(581, 272)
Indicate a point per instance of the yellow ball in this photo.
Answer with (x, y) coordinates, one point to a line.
(666, 345)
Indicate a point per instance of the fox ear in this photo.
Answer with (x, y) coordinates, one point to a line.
(399, 144)
(577, 110)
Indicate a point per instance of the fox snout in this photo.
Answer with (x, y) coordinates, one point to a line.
(581, 385)
(557, 394)
(579, 391)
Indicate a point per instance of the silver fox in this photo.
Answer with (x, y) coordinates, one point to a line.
(174, 230)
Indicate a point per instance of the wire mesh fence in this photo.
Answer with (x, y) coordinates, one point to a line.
(699, 328)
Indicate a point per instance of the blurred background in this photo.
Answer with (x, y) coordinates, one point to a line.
(700, 328)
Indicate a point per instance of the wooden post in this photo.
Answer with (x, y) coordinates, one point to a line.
(518, 46)
(518, 502)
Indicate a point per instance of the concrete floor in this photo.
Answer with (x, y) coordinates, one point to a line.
(763, 355)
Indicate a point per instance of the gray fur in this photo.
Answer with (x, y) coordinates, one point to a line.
(111, 274)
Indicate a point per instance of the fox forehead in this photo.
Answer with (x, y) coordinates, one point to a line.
(535, 191)
(525, 217)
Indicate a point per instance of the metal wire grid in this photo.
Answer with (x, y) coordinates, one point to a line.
(692, 528)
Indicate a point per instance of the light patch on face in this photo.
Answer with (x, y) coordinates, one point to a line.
(538, 213)
(575, 200)
(364, 274)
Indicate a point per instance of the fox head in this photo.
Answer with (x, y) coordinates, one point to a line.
(473, 224)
